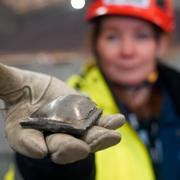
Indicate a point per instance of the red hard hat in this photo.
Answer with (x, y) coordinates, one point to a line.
(158, 12)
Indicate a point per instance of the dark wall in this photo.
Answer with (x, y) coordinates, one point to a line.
(57, 27)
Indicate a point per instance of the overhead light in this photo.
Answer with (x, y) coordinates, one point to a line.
(78, 4)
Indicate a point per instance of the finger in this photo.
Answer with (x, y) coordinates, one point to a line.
(112, 122)
(66, 149)
(99, 138)
(29, 142)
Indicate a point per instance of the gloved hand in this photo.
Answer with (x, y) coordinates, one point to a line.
(24, 92)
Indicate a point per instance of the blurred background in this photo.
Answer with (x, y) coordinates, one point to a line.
(49, 36)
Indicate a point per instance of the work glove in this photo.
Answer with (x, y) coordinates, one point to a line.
(24, 92)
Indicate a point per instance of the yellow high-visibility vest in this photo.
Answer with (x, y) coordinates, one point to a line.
(10, 174)
(129, 160)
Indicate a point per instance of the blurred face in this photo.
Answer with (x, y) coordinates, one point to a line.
(127, 49)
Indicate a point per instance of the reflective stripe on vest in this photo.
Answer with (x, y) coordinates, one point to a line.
(129, 160)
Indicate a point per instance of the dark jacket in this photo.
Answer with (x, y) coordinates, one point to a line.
(171, 80)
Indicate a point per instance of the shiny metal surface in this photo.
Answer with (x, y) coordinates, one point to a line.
(72, 114)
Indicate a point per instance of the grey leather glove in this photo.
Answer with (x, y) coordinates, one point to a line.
(24, 92)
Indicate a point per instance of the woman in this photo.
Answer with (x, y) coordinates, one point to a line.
(128, 39)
